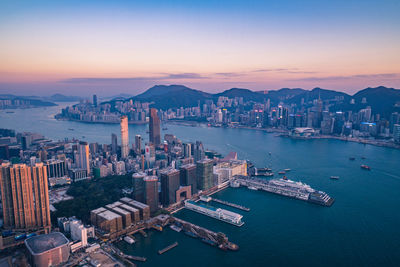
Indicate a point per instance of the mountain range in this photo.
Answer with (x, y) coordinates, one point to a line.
(382, 100)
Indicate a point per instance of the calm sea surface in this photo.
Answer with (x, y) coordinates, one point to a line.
(362, 228)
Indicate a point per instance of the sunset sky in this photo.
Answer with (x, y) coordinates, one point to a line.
(111, 47)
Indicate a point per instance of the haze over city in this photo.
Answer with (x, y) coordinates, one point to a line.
(111, 47)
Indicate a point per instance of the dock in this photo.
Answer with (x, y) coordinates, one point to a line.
(240, 207)
(143, 233)
(196, 231)
(135, 258)
(168, 248)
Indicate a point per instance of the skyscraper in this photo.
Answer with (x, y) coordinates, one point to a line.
(187, 150)
(188, 176)
(114, 144)
(124, 137)
(138, 144)
(138, 186)
(154, 127)
(82, 160)
(198, 152)
(151, 192)
(169, 185)
(396, 133)
(204, 174)
(95, 100)
(25, 196)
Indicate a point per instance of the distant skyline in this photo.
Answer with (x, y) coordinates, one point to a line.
(111, 47)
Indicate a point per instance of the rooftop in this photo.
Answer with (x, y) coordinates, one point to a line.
(129, 208)
(42, 243)
(138, 204)
(122, 211)
(101, 209)
(109, 215)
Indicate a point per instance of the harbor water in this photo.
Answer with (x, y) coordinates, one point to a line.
(360, 229)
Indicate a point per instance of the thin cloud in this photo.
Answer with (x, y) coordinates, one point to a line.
(229, 74)
(275, 70)
(165, 76)
(349, 77)
(188, 75)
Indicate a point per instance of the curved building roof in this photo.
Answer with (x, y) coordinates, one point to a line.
(42, 243)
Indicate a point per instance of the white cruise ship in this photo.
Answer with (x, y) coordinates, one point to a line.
(285, 187)
(217, 213)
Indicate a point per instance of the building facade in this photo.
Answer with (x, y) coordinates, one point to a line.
(124, 137)
(25, 196)
(154, 128)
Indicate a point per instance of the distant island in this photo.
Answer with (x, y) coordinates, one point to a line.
(8, 101)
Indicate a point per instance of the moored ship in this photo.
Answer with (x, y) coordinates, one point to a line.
(287, 188)
(217, 213)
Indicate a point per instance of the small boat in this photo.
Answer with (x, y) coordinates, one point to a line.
(334, 177)
(175, 228)
(210, 242)
(365, 167)
(287, 170)
(129, 240)
(252, 188)
(264, 169)
(352, 158)
(191, 234)
(282, 172)
(269, 153)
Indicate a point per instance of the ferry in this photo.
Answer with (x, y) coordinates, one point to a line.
(264, 169)
(334, 177)
(267, 174)
(366, 167)
(129, 240)
(205, 198)
(287, 170)
(191, 234)
(210, 242)
(216, 213)
(175, 228)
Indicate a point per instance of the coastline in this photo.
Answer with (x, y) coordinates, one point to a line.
(99, 122)
(285, 133)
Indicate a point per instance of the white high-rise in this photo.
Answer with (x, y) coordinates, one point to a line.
(124, 137)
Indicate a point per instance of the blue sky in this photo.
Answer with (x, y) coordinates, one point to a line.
(130, 45)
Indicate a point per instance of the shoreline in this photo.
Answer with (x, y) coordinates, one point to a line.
(99, 122)
(284, 133)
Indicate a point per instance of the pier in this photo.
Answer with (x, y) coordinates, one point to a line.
(196, 231)
(230, 204)
(161, 251)
(135, 258)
